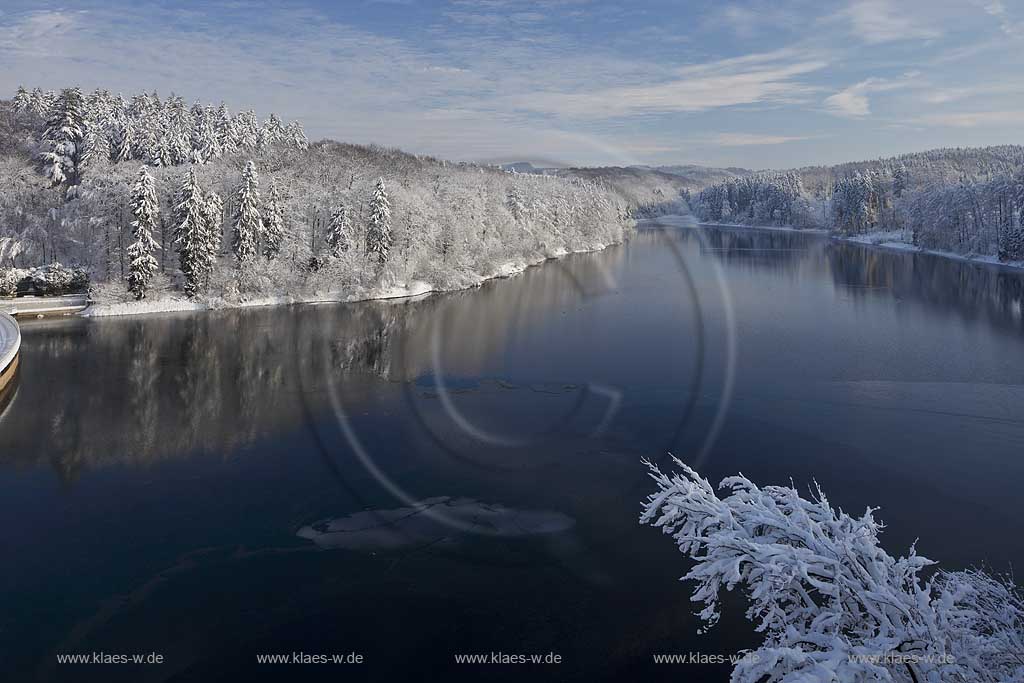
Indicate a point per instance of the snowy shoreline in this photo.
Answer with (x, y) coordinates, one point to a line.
(885, 240)
(412, 289)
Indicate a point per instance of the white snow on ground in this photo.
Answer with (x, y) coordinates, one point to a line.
(144, 306)
(113, 300)
(894, 239)
(885, 239)
(404, 290)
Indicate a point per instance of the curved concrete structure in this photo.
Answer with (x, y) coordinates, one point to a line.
(10, 344)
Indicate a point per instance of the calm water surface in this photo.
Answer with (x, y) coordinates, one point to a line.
(212, 487)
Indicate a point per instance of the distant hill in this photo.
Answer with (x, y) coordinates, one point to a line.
(522, 167)
(650, 190)
(699, 177)
(935, 166)
(969, 201)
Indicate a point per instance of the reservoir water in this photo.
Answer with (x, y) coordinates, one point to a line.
(462, 474)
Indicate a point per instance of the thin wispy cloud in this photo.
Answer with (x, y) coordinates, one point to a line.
(855, 102)
(974, 119)
(1008, 24)
(881, 21)
(580, 81)
(752, 79)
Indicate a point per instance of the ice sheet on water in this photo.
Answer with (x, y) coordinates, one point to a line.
(409, 526)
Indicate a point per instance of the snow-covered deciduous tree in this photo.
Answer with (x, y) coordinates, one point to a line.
(831, 603)
(191, 234)
(273, 223)
(378, 236)
(64, 139)
(339, 232)
(248, 223)
(145, 208)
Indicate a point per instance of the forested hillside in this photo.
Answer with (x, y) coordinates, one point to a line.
(966, 201)
(651, 192)
(157, 196)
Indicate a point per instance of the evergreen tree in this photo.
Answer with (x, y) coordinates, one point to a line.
(213, 211)
(273, 223)
(247, 130)
(96, 144)
(124, 144)
(900, 180)
(191, 234)
(247, 216)
(272, 132)
(204, 136)
(22, 100)
(145, 207)
(64, 139)
(339, 233)
(225, 129)
(378, 237)
(296, 135)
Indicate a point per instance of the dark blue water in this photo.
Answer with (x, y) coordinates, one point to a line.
(220, 486)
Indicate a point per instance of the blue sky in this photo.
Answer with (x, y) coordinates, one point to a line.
(755, 84)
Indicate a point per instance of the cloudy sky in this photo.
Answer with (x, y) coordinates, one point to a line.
(755, 84)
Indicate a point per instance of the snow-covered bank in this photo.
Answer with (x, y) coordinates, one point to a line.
(882, 239)
(112, 300)
(892, 240)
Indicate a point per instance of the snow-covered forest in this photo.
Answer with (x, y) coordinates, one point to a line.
(965, 201)
(155, 198)
(830, 602)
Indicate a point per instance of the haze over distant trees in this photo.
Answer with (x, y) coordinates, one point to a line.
(298, 218)
(966, 201)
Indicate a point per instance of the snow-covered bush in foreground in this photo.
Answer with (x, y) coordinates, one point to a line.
(831, 603)
(49, 280)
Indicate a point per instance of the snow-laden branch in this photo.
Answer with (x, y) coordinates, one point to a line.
(832, 604)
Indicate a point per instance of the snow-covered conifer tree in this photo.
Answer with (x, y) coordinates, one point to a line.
(339, 233)
(22, 100)
(204, 137)
(248, 225)
(272, 132)
(42, 102)
(225, 128)
(900, 180)
(378, 237)
(213, 211)
(96, 143)
(64, 139)
(145, 208)
(247, 130)
(191, 234)
(124, 144)
(273, 223)
(296, 135)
